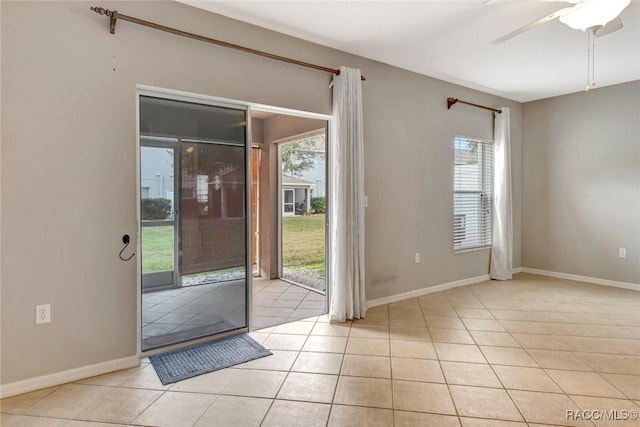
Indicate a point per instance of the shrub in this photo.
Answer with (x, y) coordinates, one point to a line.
(155, 209)
(318, 205)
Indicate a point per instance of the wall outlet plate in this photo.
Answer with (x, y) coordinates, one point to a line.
(417, 257)
(43, 313)
(622, 252)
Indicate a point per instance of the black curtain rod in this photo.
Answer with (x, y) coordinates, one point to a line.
(452, 101)
(114, 16)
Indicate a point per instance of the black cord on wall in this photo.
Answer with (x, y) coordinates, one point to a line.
(125, 239)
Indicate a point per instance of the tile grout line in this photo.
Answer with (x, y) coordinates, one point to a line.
(500, 380)
(391, 380)
(275, 397)
(335, 391)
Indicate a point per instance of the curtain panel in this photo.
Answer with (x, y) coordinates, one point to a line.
(502, 248)
(346, 254)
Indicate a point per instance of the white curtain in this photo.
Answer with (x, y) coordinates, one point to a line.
(346, 255)
(502, 248)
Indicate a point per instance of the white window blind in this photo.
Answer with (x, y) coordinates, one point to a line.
(473, 193)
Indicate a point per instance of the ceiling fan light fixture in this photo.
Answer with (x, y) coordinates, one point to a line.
(593, 13)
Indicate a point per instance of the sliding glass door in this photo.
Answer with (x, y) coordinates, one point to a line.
(194, 177)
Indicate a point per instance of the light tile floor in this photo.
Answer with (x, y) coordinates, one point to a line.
(276, 302)
(496, 354)
(203, 308)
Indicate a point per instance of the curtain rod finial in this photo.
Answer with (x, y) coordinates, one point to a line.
(101, 10)
(112, 14)
(451, 102)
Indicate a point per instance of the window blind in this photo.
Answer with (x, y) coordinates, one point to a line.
(473, 193)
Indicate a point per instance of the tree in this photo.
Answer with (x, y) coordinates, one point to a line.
(318, 205)
(472, 147)
(299, 156)
(466, 151)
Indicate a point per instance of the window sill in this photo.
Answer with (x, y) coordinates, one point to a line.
(465, 250)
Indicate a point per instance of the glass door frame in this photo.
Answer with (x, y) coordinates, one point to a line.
(169, 144)
(204, 100)
(256, 148)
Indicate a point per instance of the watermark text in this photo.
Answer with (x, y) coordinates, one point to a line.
(602, 414)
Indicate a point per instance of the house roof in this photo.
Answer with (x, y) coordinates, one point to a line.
(294, 180)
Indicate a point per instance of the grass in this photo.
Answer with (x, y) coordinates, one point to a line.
(157, 248)
(303, 244)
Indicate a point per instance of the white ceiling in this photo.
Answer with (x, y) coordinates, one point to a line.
(451, 40)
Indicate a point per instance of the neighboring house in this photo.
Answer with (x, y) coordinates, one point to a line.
(296, 195)
(316, 174)
(216, 195)
(156, 173)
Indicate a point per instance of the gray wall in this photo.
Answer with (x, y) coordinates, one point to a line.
(68, 128)
(581, 183)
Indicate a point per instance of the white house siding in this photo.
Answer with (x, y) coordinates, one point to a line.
(156, 173)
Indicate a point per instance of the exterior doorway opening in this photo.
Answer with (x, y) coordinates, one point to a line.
(292, 218)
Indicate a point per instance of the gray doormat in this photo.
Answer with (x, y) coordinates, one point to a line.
(189, 362)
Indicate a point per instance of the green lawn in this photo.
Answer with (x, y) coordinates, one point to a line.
(157, 248)
(302, 241)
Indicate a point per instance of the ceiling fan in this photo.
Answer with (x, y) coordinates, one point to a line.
(596, 17)
(599, 17)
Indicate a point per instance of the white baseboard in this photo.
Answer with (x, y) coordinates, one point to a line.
(577, 278)
(37, 383)
(516, 270)
(424, 291)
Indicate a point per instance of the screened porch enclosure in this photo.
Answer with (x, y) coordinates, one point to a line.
(194, 220)
(212, 206)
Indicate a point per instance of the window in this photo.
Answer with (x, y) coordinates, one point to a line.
(473, 193)
(202, 188)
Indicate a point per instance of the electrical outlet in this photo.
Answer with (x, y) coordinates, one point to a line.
(622, 252)
(417, 257)
(43, 313)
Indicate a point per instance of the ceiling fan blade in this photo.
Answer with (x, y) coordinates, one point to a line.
(611, 26)
(534, 24)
